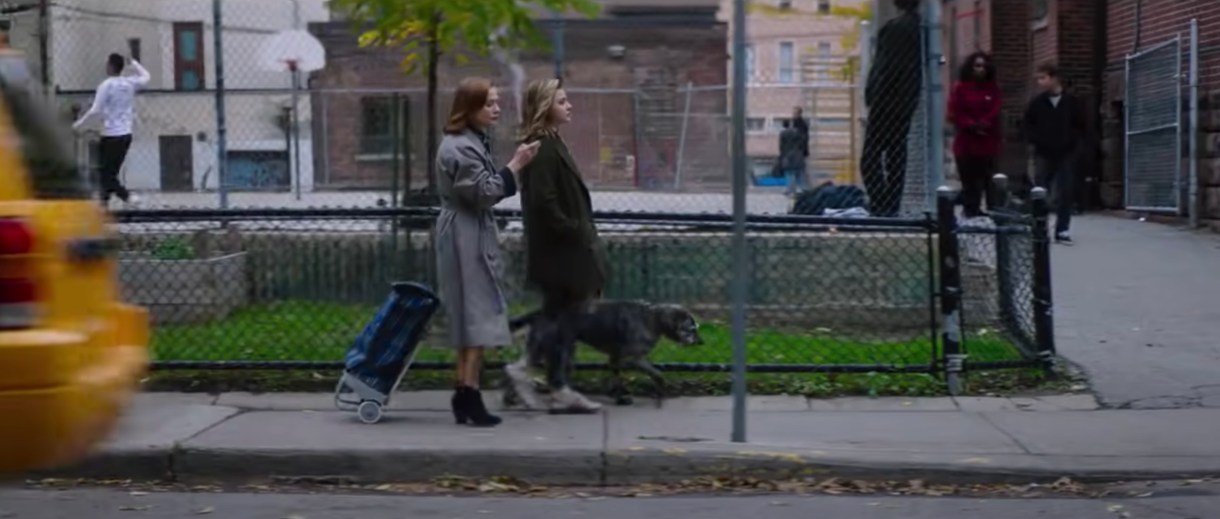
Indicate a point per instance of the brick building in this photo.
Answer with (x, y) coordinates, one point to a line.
(623, 72)
(1089, 40)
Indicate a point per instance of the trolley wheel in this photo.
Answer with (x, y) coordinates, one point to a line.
(369, 412)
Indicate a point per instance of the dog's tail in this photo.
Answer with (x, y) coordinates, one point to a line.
(522, 321)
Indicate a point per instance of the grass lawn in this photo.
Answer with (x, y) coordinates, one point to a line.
(303, 331)
(307, 331)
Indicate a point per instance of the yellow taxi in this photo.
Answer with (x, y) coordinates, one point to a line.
(71, 354)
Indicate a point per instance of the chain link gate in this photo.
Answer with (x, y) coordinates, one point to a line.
(1153, 162)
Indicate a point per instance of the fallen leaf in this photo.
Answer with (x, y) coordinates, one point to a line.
(205, 510)
(1114, 508)
(134, 508)
(294, 516)
(138, 494)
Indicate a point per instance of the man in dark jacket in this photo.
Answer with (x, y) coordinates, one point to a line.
(801, 125)
(792, 157)
(1054, 126)
(895, 80)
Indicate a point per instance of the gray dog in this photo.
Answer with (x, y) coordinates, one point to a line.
(625, 331)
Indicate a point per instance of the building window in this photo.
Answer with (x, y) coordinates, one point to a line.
(380, 128)
(785, 4)
(823, 6)
(777, 124)
(750, 60)
(824, 60)
(756, 124)
(133, 49)
(787, 62)
(188, 56)
(833, 122)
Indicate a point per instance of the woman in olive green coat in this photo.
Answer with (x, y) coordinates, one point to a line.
(565, 259)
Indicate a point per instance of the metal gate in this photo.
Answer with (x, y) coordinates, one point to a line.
(1153, 161)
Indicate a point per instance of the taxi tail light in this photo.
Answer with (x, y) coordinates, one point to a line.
(18, 290)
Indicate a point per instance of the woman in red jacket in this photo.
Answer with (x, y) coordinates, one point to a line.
(974, 110)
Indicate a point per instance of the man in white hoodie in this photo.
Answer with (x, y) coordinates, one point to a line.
(115, 100)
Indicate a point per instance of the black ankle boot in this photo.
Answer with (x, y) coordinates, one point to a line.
(469, 407)
(460, 404)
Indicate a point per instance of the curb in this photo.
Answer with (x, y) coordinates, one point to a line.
(623, 467)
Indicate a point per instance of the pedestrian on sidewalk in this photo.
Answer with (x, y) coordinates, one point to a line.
(565, 260)
(1054, 126)
(974, 111)
(468, 256)
(115, 100)
(891, 93)
(792, 158)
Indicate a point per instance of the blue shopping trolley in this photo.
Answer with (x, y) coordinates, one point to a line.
(383, 352)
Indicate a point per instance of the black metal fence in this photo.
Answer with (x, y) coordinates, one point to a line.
(291, 288)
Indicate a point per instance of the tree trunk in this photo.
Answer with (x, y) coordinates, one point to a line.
(434, 55)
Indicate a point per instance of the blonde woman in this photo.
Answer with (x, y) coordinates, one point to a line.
(565, 260)
(467, 246)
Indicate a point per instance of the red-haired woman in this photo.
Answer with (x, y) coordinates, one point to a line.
(974, 110)
(468, 260)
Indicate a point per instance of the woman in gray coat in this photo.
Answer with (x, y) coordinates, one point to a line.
(467, 244)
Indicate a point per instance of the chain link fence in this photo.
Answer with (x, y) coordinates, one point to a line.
(343, 136)
(277, 288)
(253, 270)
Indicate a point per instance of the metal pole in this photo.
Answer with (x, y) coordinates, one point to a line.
(1193, 132)
(44, 46)
(690, 87)
(950, 289)
(935, 100)
(221, 132)
(558, 42)
(296, 128)
(1043, 296)
(739, 281)
(860, 119)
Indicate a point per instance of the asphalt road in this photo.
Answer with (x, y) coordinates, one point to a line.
(107, 503)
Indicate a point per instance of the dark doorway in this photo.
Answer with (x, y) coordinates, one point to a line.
(177, 163)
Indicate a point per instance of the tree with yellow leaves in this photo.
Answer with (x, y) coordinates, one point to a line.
(426, 29)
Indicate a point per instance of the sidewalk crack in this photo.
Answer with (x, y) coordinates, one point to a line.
(1005, 433)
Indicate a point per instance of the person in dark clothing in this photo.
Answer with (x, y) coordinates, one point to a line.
(802, 125)
(1054, 126)
(792, 157)
(891, 92)
(565, 258)
(974, 110)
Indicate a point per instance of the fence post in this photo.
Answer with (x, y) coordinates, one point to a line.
(950, 289)
(221, 130)
(1193, 128)
(740, 288)
(1044, 324)
(690, 88)
(1001, 194)
(934, 100)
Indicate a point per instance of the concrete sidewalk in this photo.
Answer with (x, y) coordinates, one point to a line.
(201, 437)
(1135, 306)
